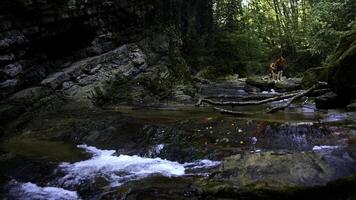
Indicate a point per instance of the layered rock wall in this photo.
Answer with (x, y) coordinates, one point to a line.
(41, 37)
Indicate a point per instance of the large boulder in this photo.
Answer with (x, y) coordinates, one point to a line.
(351, 107)
(330, 100)
(278, 170)
(314, 75)
(265, 83)
(29, 96)
(257, 81)
(95, 75)
(342, 67)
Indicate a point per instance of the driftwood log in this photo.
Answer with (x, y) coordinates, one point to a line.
(257, 97)
(246, 103)
(291, 96)
(294, 98)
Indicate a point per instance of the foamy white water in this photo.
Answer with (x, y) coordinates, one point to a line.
(120, 169)
(272, 91)
(335, 117)
(201, 164)
(33, 191)
(324, 147)
(104, 164)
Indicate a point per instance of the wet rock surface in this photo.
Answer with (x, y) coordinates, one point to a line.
(38, 39)
(299, 148)
(255, 154)
(265, 84)
(313, 76)
(273, 169)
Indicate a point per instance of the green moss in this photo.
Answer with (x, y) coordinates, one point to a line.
(157, 86)
(181, 73)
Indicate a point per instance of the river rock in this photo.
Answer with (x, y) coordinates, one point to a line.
(280, 170)
(8, 86)
(313, 76)
(183, 93)
(6, 59)
(288, 84)
(87, 75)
(252, 89)
(330, 100)
(9, 83)
(55, 80)
(257, 81)
(351, 107)
(29, 96)
(9, 112)
(12, 70)
(266, 84)
(11, 39)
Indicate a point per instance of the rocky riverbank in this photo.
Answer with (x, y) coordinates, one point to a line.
(304, 150)
(98, 98)
(296, 153)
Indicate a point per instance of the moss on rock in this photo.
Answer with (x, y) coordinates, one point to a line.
(342, 67)
(314, 75)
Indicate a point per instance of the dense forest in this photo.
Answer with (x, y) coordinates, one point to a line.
(248, 35)
(177, 99)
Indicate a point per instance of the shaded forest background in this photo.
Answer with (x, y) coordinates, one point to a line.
(247, 35)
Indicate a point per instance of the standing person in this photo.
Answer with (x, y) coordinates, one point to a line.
(275, 69)
(280, 65)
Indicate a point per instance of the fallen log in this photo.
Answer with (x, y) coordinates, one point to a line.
(297, 96)
(258, 97)
(245, 103)
(255, 97)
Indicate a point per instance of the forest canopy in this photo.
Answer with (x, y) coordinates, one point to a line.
(251, 33)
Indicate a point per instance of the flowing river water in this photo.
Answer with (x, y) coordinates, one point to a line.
(178, 152)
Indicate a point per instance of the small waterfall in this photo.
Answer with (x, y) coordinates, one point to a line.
(104, 164)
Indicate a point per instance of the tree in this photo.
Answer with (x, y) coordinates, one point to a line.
(304, 30)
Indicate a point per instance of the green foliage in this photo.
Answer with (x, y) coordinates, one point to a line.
(249, 36)
(228, 13)
(237, 52)
(329, 20)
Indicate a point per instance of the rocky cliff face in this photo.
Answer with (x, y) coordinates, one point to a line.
(342, 67)
(41, 39)
(339, 71)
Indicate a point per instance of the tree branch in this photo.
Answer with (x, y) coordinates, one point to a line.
(291, 100)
